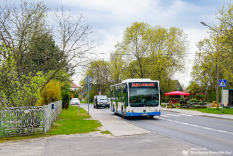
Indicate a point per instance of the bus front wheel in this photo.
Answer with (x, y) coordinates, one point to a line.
(123, 114)
(114, 110)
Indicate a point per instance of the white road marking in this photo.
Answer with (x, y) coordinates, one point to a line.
(197, 126)
(176, 115)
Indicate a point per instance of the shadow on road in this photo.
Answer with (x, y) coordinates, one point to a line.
(136, 117)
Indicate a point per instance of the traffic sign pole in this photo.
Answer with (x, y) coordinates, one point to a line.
(222, 83)
(222, 100)
(88, 96)
(88, 79)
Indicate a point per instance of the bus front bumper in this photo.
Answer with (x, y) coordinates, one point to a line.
(143, 114)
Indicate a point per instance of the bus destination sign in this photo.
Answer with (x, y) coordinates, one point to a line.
(142, 84)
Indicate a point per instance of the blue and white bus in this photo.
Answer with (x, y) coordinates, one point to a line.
(136, 97)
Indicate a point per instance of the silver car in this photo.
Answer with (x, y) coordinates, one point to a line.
(74, 101)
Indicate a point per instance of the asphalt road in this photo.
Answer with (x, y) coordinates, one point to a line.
(212, 134)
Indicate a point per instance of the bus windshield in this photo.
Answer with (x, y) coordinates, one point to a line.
(143, 97)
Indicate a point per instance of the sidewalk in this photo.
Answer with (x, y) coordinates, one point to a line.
(114, 123)
(197, 113)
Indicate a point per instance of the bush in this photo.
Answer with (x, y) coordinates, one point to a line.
(65, 99)
(52, 91)
(212, 96)
(163, 105)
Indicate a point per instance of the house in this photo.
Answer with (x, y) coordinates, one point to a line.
(74, 87)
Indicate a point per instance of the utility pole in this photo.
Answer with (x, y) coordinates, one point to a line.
(217, 64)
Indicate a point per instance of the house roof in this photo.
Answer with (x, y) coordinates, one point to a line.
(73, 85)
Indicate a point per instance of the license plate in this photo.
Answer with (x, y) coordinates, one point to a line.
(144, 114)
(103, 105)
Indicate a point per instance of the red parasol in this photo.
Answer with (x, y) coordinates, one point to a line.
(177, 93)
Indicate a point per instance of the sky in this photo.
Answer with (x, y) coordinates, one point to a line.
(109, 19)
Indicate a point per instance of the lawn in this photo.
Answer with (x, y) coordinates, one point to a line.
(68, 122)
(71, 122)
(214, 110)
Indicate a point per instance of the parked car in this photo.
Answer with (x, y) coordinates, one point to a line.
(74, 101)
(100, 101)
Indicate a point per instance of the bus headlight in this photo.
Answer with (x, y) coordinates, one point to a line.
(130, 111)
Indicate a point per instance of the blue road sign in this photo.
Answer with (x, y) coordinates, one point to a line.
(222, 83)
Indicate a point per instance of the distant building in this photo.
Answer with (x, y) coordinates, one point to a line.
(74, 87)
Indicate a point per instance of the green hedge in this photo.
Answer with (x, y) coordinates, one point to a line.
(65, 99)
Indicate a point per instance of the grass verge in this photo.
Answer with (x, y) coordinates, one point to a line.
(106, 132)
(71, 122)
(68, 122)
(214, 110)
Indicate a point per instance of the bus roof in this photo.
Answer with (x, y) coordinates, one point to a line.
(137, 80)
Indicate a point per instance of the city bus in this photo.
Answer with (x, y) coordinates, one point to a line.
(136, 97)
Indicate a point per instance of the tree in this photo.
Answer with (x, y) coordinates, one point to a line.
(203, 72)
(43, 54)
(152, 52)
(100, 73)
(21, 27)
(51, 93)
(13, 93)
(18, 25)
(219, 45)
(223, 37)
(193, 87)
(73, 40)
(135, 43)
(25, 30)
(117, 67)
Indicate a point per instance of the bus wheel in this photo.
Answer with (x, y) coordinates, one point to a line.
(114, 110)
(123, 114)
(151, 116)
(94, 106)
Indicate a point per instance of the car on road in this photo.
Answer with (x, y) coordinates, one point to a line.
(101, 101)
(75, 101)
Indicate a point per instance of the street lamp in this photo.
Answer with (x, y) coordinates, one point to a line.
(217, 65)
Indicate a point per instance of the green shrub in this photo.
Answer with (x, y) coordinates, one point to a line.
(65, 99)
(163, 105)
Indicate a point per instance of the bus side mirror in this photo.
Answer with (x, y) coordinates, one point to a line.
(161, 92)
